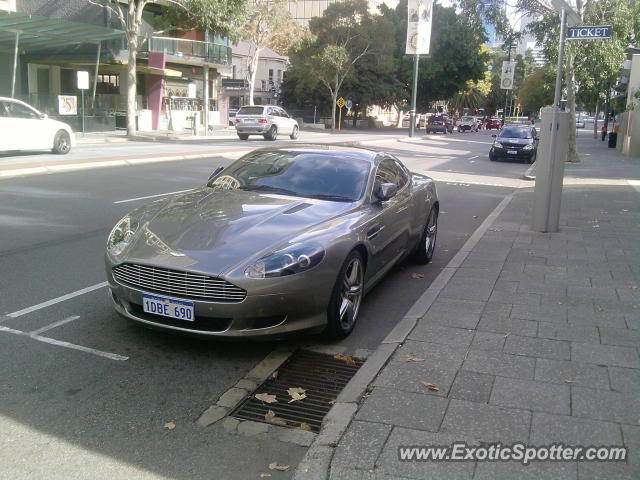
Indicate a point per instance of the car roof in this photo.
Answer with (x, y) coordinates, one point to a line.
(320, 149)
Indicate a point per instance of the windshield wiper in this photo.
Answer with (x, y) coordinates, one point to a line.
(322, 196)
(267, 188)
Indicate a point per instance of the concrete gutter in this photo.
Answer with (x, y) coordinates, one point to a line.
(530, 173)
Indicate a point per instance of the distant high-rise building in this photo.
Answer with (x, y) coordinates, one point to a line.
(305, 10)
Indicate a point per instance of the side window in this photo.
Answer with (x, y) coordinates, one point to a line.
(20, 111)
(386, 173)
(274, 111)
(282, 113)
(403, 177)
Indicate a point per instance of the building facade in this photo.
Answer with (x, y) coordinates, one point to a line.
(49, 41)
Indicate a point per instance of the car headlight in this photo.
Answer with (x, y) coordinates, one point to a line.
(121, 235)
(497, 144)
(295, 258)
(528, 147)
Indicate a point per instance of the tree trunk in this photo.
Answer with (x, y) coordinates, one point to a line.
(595, 119)
(252, 73)
(131, 85)
(334, 99)
(572, 154)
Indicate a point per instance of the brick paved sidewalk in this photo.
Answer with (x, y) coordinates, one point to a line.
(533, 339)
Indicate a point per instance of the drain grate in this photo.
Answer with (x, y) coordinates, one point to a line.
(322, 376)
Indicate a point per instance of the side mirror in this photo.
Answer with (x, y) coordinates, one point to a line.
(536, 138)
(214, 175)
(386, 191)
(44, 116)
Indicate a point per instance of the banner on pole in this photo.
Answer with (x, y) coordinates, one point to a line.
(506, 78)
(419, 21)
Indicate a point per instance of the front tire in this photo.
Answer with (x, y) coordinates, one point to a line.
(346, 297)
(61, 143)
(294, 133)
(427, 245)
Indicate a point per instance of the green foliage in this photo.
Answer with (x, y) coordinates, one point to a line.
(216, 16)
(537, 90)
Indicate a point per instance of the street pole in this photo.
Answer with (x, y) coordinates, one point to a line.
(554, 123)
(506, 92)
(414, 93)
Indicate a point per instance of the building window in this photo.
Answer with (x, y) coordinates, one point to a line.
(279, 76)
(264, 84)
(234, 72)
(271, 75)
(108, 83)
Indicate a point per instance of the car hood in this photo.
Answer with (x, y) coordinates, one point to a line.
(215, 230)
(514, 141)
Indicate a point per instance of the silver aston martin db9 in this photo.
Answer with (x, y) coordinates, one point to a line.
(282, 240)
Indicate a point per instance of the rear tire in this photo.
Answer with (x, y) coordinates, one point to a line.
(61, 143)
(243, 136)
(427, 245)
(294, 133)
(346, 297)
(492, 157)
(272, 134)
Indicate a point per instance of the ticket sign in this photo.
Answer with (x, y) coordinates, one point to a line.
(589, 33)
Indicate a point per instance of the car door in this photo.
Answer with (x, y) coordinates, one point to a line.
(290, 121)
(284, 122)
(29, 130)
(7, 127)
(387, 233)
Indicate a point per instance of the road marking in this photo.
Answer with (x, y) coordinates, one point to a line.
(53, 301)
(61, 343)
(475, 156)
(151, 196)
(55, 324)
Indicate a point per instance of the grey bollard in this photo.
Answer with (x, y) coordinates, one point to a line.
(550, 172)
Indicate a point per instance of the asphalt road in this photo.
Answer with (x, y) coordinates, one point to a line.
(95, 406)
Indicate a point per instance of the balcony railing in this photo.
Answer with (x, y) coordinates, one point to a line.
(211, 52)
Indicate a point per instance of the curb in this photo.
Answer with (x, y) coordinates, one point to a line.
(316, 463)
(530, 173)
(131, 161)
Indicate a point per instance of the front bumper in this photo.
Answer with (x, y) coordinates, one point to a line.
(520, 154)
(301, 308)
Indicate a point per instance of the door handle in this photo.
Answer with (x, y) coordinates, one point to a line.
(373, 232)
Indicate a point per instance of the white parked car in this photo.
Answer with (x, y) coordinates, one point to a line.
(266, 120)
(22, 127)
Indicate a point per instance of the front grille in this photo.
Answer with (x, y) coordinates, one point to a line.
(174, 282)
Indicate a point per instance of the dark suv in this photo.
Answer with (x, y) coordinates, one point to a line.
(515, 142)
(439, 123)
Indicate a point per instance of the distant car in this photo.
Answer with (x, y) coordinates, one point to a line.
(517, 142)
(25, 128)
(407, 117)
(266, 120)
(232, 116)
(493, 123)
(580, 123)
(466, 124)
(439, 123)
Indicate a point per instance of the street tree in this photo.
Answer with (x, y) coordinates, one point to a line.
(264, 19)
(215, 16)
(537, 89)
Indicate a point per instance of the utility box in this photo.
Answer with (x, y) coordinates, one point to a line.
(550, 171)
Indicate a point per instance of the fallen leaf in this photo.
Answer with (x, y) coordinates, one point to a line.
(430, 386)
(345, 358)
(264, 475)
(566, 380)
(599, 308)
(271, 417)
(412, 358)
(332, 402)
(305, 426)
(265, 397)
(633, 287)
(280, 468)
(475, 216)
(170, 425)
(531, 252)
(297, 396)
(417, 275)
(274, 375)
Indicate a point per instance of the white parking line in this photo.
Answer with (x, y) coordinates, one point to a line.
(53, 301)
(55, 324)
(151, 196)
(61, 343)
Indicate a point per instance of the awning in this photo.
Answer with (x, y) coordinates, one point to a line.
(165, 72)
(37, 33)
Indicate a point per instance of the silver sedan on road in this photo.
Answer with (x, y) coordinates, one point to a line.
(282, 240)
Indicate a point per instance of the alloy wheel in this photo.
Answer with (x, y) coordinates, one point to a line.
(351, 293)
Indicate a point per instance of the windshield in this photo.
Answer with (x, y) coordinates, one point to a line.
(515, 133)
(331, 176)
(250, 111)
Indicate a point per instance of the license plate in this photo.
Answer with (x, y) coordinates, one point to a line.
(168, 307)
(512, 152)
